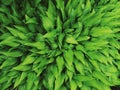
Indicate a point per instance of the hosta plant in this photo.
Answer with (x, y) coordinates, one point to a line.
(59, 44)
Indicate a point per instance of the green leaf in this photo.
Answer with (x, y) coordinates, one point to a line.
(20, 79)
(50, 34)
(82, 78)
(59, 81)
(85, 87)
(54, 70)
(73, 85)
(8, 2)
(30, 80)
(60, 39)
(101, 76)
(21, 28)
(98, 56)
(96, 44)
(115, 43)
(71, 40)
(28, 60)
(70, 67)
(37, 2)
(79, 67)
(3, 79)
(88, 6)
(95, 64)
(83, 38)
(22, 68)
(47, 23)
(51, 80)
(8, 62)
(60, 63)
(38, 45)
(80, 47)
(9, 41)
(3, 36)
(80, 56)
(100, 31)
(51, 12)
(60, 5)
(93, 83)
(96, 19)
(68, 55)
(59, 24)
(16, 33)
(13, 53)
(30, 20)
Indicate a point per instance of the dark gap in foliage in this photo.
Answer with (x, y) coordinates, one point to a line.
(119, 50)
(45, 3)
(115, 87)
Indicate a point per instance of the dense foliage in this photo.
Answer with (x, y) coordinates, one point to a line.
(59, 44)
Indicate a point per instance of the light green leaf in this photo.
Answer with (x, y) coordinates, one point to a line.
(38, 45)
(68, 55)
(59, 24)
(60, 63)
(70, 67)
(54, 70)
(50, 34)
(9, 41)
(93, 83)
(60, 5)
(60, 39)
(79, 67)
(95, 64)
(59, 81)
(13, 53)
(71, 40)
(81, 48)
(115, 43)
(3, 36)
(85, 87)
(30, 20)
(22, 68)
(16, 33)
(28, 60)
(73, 85)
(47, 23)
(21, 28)
(101, 77)
(88, 6)
(96, 19)
(83, 38)
(80, 56)
(82, 78)
(51, 80)
(100, 31)
(51, 12)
